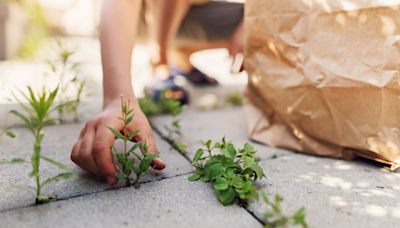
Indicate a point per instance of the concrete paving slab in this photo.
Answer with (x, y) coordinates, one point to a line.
(174, 202)
(229, 122)
(335, 193)
(57, 145)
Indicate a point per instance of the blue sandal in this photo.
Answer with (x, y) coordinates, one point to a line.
(176, 92)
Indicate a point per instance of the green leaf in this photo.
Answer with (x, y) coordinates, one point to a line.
(134, 147)
(128, 120)
(198, 154)
(249, 149)
(181, 147)
(120, 176)
(248, 162)
(299, 218)
(61, 176)
(207, 144)
(10, 134)
(229, 151)
(121, 159)
(13, 161)
(227, 196)
(133, 134)
(116, 133)
(258, 170)
(221, 184)
(214, 171)
(237, 182)
(129, 164)
(146, 162)
(195, 176)
(22, 117)
(55, 163)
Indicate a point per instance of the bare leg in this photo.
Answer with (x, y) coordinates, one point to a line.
(164, 21)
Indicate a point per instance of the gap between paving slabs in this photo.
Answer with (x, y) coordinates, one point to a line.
(57, 145)
(214, 124)
(285, 174)
(173, 202)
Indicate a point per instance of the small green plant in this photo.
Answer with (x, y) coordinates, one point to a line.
(274, 217)
(174, 134)
(131, 161)
(164, 105)
(71, 86)
(36, 117)
(7, 132)
(235, 99)
(232, 171)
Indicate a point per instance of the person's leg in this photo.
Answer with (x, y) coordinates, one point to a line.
(164, 20)
(207, 26)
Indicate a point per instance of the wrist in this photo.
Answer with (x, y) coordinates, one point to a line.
(116, 100)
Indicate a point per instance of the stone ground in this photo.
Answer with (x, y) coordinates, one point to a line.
(335, 193)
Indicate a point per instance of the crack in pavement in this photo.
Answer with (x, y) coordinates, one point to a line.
(95, 192)
(173, 145)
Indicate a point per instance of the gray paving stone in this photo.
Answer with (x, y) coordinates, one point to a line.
(57, 145)
(174, 202)
(229, 122)
(335, 193)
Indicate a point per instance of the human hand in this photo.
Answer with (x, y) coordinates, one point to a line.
(92, 151)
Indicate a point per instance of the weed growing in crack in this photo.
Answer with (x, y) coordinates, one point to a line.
(163, 105)
(131, 161)
(69, 83)
(36, 117)
(235, 99)
(166, 105)
(274, 217)
(232, 171)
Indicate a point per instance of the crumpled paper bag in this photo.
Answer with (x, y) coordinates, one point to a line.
(323, 76)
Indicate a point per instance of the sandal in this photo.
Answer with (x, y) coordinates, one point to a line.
(170, 90)
(196, 77)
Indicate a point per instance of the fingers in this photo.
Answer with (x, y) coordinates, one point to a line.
(81, 152)
(102, 143)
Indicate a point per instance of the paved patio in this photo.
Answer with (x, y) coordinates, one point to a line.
(335, 193)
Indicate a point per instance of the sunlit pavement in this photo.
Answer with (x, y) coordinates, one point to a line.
(335, 193)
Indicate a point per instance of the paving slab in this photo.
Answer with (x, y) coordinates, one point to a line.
(173, 202)
(335, 193)
(57, 145)
(215, 124)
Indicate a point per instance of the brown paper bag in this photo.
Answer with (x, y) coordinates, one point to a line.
(323, 76)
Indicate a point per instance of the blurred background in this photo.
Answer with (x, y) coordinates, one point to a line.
(36, 32)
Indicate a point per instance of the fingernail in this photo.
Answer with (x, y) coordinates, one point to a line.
(111, 180)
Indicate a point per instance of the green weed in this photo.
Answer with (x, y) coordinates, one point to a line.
(69, 82)
(232, 171)
(35, 116)
(274, 217)
(130, 160)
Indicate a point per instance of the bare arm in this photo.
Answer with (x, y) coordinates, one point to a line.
(92, 151)
(118, 27)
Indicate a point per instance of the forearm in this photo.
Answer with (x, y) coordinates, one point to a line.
(119, 20)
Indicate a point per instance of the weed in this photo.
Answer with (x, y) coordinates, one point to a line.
(35, 118)
(163, 105)
(7, 132)
(235, 99)
(232, 171)
(274, 217)
(130, 160)
(69, 82)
